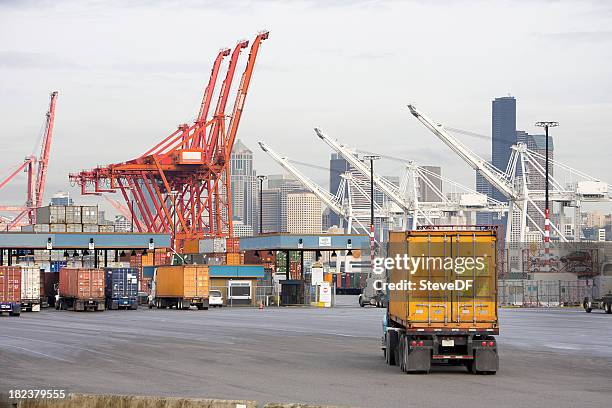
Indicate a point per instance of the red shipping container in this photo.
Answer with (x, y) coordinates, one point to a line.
(10, 284)
(81, 283)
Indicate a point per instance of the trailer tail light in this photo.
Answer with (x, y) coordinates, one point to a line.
(421, 343)
(491, 344)
(484, 344)
(413, 343)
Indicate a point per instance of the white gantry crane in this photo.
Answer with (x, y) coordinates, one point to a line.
(341, 203)
(514, 183)
(406, 196)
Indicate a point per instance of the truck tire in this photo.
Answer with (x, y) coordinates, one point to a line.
(608, 308)
(585, 304)
(360, 301)
(391, 350)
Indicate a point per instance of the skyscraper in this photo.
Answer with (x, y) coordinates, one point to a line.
(337, 166)
(285, 185)
(503, 136)
(304, 210)
(271, 210)
(244, 186)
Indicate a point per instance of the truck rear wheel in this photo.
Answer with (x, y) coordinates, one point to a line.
(585, 304)
(391, 350)
(608, 308)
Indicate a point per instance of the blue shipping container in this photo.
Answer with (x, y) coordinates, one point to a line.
(121, 287)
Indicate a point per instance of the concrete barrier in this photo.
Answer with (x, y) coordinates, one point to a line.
(128, 401)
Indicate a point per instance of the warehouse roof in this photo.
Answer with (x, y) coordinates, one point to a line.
(80, 240)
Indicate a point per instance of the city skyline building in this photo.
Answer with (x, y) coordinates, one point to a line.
(426, 192)
(244, 186)
(304, 213)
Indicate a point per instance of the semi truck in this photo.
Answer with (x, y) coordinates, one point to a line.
(442, 299)
(30, 288)
(10, 290)
(601, 296)
(80, 289)
(121, 288)
(372, 295)
(180, 286)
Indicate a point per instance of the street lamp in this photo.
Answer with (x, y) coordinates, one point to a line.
(371, 158)
(261, 179)
(546, 125)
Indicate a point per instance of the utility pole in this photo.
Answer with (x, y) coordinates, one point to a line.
(371, 158)
(546, 125)
(261, 179)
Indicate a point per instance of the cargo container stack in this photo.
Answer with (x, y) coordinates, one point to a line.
(81, 289)
(10, 290)
(68, 218)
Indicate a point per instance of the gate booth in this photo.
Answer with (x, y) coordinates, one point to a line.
(284, 253)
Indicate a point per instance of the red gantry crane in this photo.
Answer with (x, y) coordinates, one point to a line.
(181, 186)
(36, 169)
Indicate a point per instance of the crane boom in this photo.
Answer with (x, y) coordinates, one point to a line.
(322, 194)
(384, 185)
(43, 161)
(492, 175)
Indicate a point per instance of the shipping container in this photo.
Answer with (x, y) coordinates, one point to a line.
(90, 228)
(10, 290)
(106, 228)
(57, 227)
(89, 215)
(121, 287)
(81, 289)
(41, 228)
(30, 288)
(181, 286)
(212, 245)
(442, 299)
(73, 214)
(49, 283)
(232, 245)
(234, 259)
(51, 214)
(74, 228)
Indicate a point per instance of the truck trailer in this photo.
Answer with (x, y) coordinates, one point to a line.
(121, 288)
(601, 296)
(10, 290)
(442, 299)
(80, 289)
(30, 289)
(180, 286)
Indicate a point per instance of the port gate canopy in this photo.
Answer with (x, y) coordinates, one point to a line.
(304, 242)
(82, 240)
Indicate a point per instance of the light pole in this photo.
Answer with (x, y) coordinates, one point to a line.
(546, 125)
(371, 158)
(261, 179)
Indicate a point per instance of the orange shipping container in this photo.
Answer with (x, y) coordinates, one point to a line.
(81, 283)
(234, 259)
(183, 281)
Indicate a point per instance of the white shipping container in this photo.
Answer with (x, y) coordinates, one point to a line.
(107, 228)
(89, 214)
(57, 227)
(73, 214)
(74, 228)
(41, 228)
(212, 245)
(90, 228)
(52, 214)
(30, 283)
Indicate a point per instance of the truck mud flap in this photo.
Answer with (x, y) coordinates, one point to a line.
(418, 360)
(486, 360)
(392, 347)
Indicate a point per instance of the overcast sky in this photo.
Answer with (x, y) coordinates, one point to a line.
(127, 75)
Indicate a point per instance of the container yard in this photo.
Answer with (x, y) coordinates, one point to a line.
(434, 230)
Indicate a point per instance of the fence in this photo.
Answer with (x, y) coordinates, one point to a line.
(530, 293)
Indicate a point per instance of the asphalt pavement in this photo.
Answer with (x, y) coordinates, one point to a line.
(548, 357)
